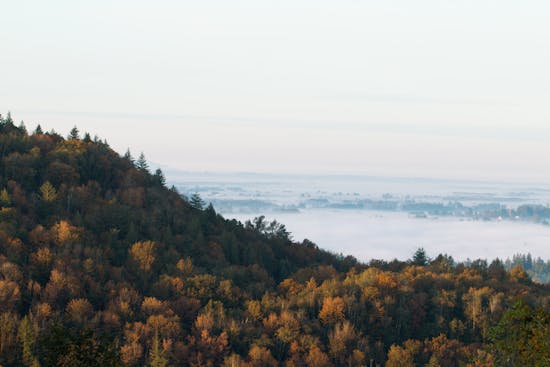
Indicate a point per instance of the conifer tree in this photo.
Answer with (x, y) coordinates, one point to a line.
(38, 130)
(197, 202)
(74, 134)
(420, 257)
(22, 127)
(8, 120)
(141, 163)
(128, 156)
(159, 176)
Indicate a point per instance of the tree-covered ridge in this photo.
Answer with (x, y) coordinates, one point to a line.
(102, 265)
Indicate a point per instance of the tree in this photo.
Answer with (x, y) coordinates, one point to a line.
(341, 340)
(80, 310)
(521, 338)
(332, 310)
(38, 130)
(22, 127)
(143, 253)
(316, 358)
(420, 258)
(142, 164)
(261, 357)
(159, 177)
(48, 192)
(74, 134)
(400, 357)
(197, 202)
(157, 357)
(128, 156)
(27, 337)
(5, 200)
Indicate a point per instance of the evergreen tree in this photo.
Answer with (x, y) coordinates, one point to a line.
(159, 177)
(141, 163)
(197, 202)
(74, 134)
(38, 130)
(128, 156)
(8, 120)
(420, 257)
(22, 127)
(87, 138)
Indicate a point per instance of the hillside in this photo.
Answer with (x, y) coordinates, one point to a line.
(102, 265)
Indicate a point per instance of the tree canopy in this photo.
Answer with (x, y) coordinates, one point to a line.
(102, 265)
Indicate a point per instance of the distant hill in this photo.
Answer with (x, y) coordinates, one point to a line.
(101, 264)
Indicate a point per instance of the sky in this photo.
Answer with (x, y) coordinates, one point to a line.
(427, 88)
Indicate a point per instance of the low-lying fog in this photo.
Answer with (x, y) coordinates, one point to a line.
(387, 235)
(387, 218)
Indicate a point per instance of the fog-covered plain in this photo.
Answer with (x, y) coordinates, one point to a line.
(387, 235)
(336, 212)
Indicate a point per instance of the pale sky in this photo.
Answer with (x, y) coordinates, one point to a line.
(433, 88)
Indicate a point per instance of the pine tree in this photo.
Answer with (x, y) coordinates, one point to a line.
(74, 134)
(128, 156)
(87, 138)
(141, 163)
(22, 127)
(8, 120)
(196, 201)
(420, 258)
(38, 130)
(159, 176)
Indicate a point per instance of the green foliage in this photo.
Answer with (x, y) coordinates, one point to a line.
(522, 337)
(159, 177)
(420, 258)
(63, 347)
(74, 134)
(142, 164)
(197, 202)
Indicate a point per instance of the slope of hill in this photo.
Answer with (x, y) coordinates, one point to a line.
(102, 265)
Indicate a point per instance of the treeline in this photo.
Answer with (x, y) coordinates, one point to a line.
(102, 265)
(537, 268)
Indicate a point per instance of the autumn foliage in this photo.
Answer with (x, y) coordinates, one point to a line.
(102, 265)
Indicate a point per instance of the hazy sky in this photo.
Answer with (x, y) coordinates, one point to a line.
(439, 88)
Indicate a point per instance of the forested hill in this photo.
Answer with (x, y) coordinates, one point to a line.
(84, 186)
(102, 265)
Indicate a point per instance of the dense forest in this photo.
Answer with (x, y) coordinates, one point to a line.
(101, 264)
